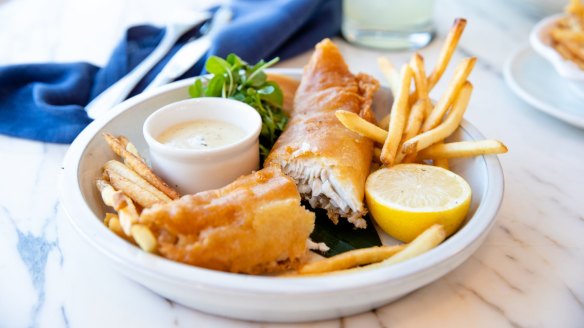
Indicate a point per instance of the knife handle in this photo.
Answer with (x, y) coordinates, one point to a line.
(184, 59)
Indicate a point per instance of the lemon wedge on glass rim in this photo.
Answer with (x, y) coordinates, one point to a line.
(406, 199)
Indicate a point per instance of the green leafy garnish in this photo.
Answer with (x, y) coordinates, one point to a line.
(235, 79)
(343, 236)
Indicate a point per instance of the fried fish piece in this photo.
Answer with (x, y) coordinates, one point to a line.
(328, 162)
(288, 85)
(254, 225)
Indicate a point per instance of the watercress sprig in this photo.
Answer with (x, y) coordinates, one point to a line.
(235, 79)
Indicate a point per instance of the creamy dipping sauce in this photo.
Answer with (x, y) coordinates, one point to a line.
(201, 134)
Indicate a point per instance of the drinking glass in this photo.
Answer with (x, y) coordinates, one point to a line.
(388, 24)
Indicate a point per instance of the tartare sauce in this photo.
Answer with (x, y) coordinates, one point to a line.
(201, 134)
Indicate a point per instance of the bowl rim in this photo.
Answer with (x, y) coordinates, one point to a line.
(132, 258)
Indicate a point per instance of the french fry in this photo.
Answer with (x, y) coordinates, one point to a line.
(427, 240)
(107, 193)
(390, 73)
(446, 53)
(576, 8)
(564, 52)
(398, 116)
(130, 147)
(384, 122)
(111, 197)
(137, 164)
(560, 35)
(413, 127)
(442, 162)
(422, 105)
(460, 76)
(125, 223)
(127, 213)
(445, 129)
(115, 227)
(377, 154)
(424, 242)
(124, 179)
(128, 217)
(359, 125)
(463, 149)
(124, 141)
(108, 217)
(144, 238)
(134, 191)
(421, 81)
(567, 54)
(351, 259)
(393, 78)
(576, 49)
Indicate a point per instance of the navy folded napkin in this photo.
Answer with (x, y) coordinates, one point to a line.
(46, 102)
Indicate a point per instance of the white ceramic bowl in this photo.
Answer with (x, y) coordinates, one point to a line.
(194, 170)
(540, 41)
(262, 298)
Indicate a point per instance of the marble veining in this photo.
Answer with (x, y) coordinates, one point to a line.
(528, 273)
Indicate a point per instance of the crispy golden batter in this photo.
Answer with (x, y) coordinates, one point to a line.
(254, 225)
(328, 162)
(288, 85)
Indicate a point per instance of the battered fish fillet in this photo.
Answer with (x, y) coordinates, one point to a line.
(254, 225)
(288, 85)
(328, 162)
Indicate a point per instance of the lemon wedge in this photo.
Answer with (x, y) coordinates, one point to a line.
(406, 199)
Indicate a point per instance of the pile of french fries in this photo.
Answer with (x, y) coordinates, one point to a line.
(128, 188)
(568, 35)
(415, 129)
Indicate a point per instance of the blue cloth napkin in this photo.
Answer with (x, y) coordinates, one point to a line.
(46, 102)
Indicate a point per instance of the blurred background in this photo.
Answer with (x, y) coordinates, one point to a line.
(88, 30)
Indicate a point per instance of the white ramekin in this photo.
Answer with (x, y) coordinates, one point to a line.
(194, 170)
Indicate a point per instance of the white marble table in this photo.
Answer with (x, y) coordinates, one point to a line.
(528, 273)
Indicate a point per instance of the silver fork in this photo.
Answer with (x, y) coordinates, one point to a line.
(191, 52)
(118, 91)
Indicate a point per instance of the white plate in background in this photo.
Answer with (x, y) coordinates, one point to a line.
(262, 298)
(535, 80)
